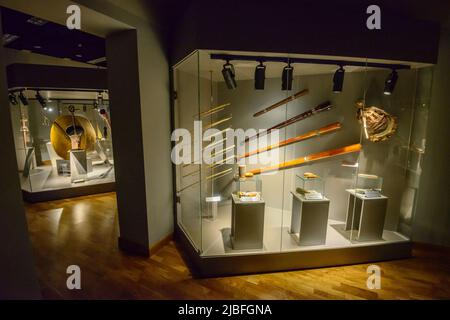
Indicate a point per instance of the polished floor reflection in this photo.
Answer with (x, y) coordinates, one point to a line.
(84, 231)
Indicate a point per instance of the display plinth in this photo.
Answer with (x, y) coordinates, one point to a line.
(247, 224)
(309, 220)
(366, 215)
(78, 166)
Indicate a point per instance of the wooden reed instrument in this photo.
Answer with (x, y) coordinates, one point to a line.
(315, 133)
(282, 102)
(320, 108)
(212, 110)
(308, 159)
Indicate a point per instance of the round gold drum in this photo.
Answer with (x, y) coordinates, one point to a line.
(68, 133)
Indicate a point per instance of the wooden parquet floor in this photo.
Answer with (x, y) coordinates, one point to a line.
(84, 231)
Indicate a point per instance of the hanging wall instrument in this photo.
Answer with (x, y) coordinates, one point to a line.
(315, 133)
(282, 102)
(320, 108)
(309, 158)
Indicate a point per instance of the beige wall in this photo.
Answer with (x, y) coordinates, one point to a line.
(154, 107)
(432, 218)
(18, 278)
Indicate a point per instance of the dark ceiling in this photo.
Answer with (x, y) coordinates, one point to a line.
(25, 32)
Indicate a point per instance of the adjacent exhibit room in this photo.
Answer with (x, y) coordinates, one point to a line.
(63, 139)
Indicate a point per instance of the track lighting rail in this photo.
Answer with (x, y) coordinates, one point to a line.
(259, 59)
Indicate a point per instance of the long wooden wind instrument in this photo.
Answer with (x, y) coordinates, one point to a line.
(308, 159)
(212, 125)
(320, 108)
(282, 102)
(212, 110)
(315, 133)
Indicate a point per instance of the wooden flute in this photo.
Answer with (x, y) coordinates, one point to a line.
(282, 102)
(320, 108)
(324, 130)
(308, 159)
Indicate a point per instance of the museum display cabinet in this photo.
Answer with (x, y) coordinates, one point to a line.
(324, 171)
(63, 142)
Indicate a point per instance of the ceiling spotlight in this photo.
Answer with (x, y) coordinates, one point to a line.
(41, 100)
(338, 80)
(287, 77)
(23, 99)
(50, 109)
(229, 75)
(390, 83)
(260, 76)
(37, 21)
(8, 38)
(13, 99)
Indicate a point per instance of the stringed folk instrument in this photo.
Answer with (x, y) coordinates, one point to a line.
(282, 102)
(67, 129)
(308, 159)
(315, 133)
(320, 108)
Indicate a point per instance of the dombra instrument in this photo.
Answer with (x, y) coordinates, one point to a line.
(70, 132)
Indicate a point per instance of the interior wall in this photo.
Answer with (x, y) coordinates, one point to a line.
(154, 114)
(432, 218)
(18, 278)
(121, 49)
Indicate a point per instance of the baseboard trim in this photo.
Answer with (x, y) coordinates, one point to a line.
(133, 248)
(161, 243)
(65, 193)
(424, 250)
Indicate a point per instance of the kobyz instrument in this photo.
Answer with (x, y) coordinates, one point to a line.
(66, 129)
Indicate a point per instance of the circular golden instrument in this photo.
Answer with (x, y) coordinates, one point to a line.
(71, 133)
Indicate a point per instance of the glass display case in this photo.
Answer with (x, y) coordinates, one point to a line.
(249, 189)
(63, 139)
(292, 126)
(310, 185)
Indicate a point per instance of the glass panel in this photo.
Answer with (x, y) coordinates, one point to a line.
(43, 132)
(316, 200)
(389, 167)
(230, 197)
(187, 86)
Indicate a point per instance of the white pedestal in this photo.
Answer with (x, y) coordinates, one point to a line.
(309, 220)
(366, 215)
(247, 224)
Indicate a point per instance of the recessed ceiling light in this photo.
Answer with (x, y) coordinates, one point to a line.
(79, 55)
(8, 38)
(37, 21)
(37, 47)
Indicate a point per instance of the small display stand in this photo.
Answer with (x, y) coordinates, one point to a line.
(247, 218)
(309, 220)
(311, 188)
(366, 215)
